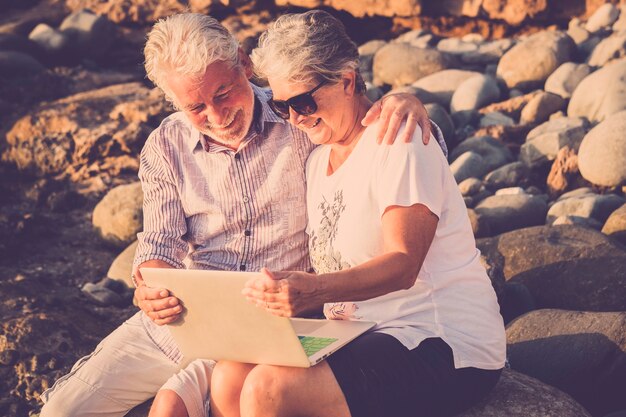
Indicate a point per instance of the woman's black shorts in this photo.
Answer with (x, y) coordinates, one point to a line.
(380, 377)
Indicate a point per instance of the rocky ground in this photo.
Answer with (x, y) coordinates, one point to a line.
(531, 97)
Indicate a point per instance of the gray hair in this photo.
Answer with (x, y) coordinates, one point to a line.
(307, 47)
(186, 44)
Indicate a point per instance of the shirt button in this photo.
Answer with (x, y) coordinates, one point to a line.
(247, 233)
(246, 199)
(237, 156)
(242, 267)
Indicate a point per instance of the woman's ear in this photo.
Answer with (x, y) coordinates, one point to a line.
(348, 79)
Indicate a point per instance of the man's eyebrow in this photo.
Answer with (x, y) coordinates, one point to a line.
(192, 105)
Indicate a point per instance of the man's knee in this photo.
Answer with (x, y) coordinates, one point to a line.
(227, 380)
(265, 390)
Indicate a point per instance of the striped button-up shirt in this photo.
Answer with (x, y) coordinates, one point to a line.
(223, 209)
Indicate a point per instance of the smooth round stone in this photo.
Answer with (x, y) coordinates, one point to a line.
(601, 93)
(602, 153)
(529, 63)
(443, 83)
(470, 186)
(615, 225)
(510, 212)
(541, 107)
(50, 39)
(495, 118)
(566, 78)
(495, 154)
(604, 16)
(506, 176)
(581, 353)
(122, 266)
(595, 206)
(577, 221)
(399, 64)
(90, 34)
(474, 93)
(511, 191)
(608, 49)
(468, 165)
(456, 46)
(16, 64)
(118, 216)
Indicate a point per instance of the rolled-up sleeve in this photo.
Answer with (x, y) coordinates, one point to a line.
(164, 222)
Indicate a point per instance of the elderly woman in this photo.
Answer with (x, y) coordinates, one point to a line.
(390, 242)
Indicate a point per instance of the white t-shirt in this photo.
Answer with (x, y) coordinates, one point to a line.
(452, 297)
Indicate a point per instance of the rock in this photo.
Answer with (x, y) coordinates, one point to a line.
(608, 49)
(122, 266)
(563, 171)
(518, 395)
(577, 32)
(494, 153)
(496, 119)
(620, 24)
(529, 63)
(517, 301)
(488, 52)
(544, 142)
(366, 54)
(393, 8)
(509, 212)
(596, 206)
(508, 175)
(511, 107)
(17, 43)
(118, 217)
(373, 93)
(418, 38)
(601, 93)
(424, 96)
(566, 267)
(470, 186)
(540, 107)
(602, 154)
(89, 34)
(604, 16)
(467, 165)
(511, 191)
(53, 41)
(101, 295)
(456, 46)
(566, 78)
(17, 64)
(577, 221)
(479, 226)
(442, 84)
(578, 192)
(615, 225)
(580, 353)
(70, 134)
(474, 93)
(513, 12)
(400, 64)
(441, 117)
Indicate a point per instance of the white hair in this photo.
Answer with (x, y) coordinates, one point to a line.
(307, 47)
(185, 44)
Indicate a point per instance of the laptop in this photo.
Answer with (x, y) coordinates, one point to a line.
(219, 323)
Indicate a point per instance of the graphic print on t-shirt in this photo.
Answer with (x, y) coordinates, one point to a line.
(325, 258)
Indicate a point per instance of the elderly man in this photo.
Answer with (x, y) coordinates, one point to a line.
(224, 189)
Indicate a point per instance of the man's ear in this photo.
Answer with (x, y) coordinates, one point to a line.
(246, 63)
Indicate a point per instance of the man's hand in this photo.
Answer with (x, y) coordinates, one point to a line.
(394, 108)
(155, 302)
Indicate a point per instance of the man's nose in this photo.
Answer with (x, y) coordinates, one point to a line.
(216, 115)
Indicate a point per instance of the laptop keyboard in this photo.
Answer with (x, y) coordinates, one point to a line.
(312, 345)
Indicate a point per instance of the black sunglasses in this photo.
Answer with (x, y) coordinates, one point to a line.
(303, 104)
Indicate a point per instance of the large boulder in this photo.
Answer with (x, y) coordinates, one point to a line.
(519, 395)
(529, 63)
(567, 267)
(76, 134)
(507, 212)
(400, 64)
(580, 353)
(601, 93)
(118, 217)
(602, 153)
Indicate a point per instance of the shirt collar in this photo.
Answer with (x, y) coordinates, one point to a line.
(262, 114)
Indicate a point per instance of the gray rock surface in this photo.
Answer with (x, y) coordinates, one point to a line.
(443, 83)
(488, 52)
(519, 395)
(529, 63)
(118, 217)
(467, 165)
(565, 267)
(440, 116)
(580, 353)
(496, 119)
(509, 175)
(90, 34)
(509, 212)
(17, 64)
(400, 64)
(601, 93)
(494, 153)
(598, 207)
(474, 93)
(602, 154)
(544, 142)
(564, 80)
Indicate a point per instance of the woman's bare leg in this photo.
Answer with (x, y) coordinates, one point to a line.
(226, 382)
(277, 391)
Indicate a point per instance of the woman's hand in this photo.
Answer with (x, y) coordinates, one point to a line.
(285, 294)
